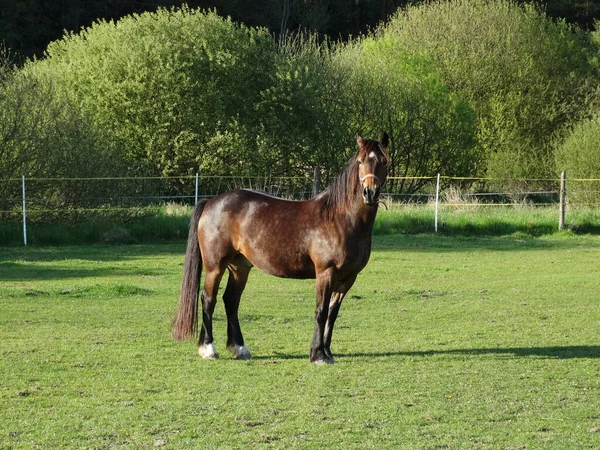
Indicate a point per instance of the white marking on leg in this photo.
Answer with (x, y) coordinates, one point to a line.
(323, 362)
(240, 352)
(208, 351)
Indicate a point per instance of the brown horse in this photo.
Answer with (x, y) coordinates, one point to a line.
(327, 238)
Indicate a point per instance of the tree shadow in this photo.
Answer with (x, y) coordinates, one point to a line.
(90, 252)
(30, 272)
(22, 264)
(446, 244)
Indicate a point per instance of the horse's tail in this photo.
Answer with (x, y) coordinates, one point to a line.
(185, 324)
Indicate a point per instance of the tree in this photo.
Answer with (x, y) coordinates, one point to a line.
(579, 155)
(174, 91)
(388, 89)
(526, 76)
(42, 134)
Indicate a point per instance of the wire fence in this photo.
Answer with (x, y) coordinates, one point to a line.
(59, 200)
(463, 191)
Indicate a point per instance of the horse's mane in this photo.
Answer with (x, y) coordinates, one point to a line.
(341, 194)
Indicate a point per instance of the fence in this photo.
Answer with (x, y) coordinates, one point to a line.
(44, 200)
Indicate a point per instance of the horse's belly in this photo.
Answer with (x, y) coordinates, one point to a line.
(284, 265)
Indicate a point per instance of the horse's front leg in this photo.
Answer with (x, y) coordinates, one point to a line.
(323, 296)
(334, 307)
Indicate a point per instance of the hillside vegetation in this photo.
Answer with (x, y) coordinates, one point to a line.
(468, 88)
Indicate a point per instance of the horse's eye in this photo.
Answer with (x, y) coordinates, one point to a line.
(384, 161)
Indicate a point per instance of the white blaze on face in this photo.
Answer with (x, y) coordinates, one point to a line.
(372, 155)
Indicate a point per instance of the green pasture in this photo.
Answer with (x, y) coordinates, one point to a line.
(443, 342)
(170, 222)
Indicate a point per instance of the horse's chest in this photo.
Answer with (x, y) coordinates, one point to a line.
(355, 256)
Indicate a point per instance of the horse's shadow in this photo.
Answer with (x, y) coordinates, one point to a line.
(553, 352)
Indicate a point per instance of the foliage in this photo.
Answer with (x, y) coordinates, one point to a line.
(175, 89)
(579, 156)
(302, 125)
(43, 134)
(27, 26)
(526, 75)
(387, 89)
(464, 88)
(442, 342)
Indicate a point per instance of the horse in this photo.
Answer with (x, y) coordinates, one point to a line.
(326, 238)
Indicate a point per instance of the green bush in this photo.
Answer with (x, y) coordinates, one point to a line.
(526, 75)
(43, 134)
(174, 90)
(579, 156)
(390, 90)
(302, 124)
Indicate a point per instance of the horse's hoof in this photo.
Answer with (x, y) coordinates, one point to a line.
(240, 352)
(323, 362)
(208, 351)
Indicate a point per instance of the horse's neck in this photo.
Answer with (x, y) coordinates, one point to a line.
(362, 218)
(356, 217)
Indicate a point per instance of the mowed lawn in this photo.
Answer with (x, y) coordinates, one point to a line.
(442, 343)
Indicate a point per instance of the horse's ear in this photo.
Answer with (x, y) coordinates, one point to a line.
(385, 140)
(359, 140)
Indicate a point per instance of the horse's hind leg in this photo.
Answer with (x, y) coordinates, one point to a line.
(206, 346)
(238, 276)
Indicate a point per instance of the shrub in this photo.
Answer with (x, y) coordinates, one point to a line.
(579, 155)
(388, 89)
(43, 134)
(174, 90)
(525, 75)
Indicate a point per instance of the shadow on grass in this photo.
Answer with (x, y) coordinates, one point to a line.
(554, 352)
(568, 352)
(12, 271)
(439, 243)
(23, 264)
(465, 224)
(96, 252)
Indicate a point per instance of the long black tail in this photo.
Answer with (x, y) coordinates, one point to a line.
(185, 324)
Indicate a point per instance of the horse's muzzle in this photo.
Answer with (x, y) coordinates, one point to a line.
(371, 195)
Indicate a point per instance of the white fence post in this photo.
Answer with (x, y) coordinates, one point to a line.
(24, 214)
(563, 200)
(196, 192)
(437, 201)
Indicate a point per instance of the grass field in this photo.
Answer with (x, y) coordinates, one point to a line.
(444, 342)
(170, 222)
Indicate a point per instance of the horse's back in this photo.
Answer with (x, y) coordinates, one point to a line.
(273, 234)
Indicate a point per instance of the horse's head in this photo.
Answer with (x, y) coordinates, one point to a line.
(373, 160)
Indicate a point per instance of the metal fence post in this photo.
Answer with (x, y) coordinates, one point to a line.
(437, 201)
(563, 200)
(24, 214)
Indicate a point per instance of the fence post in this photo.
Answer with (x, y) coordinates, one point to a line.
(196, 191)
(317, 181)
(563, 200)
(437, 201)
(24, 213)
